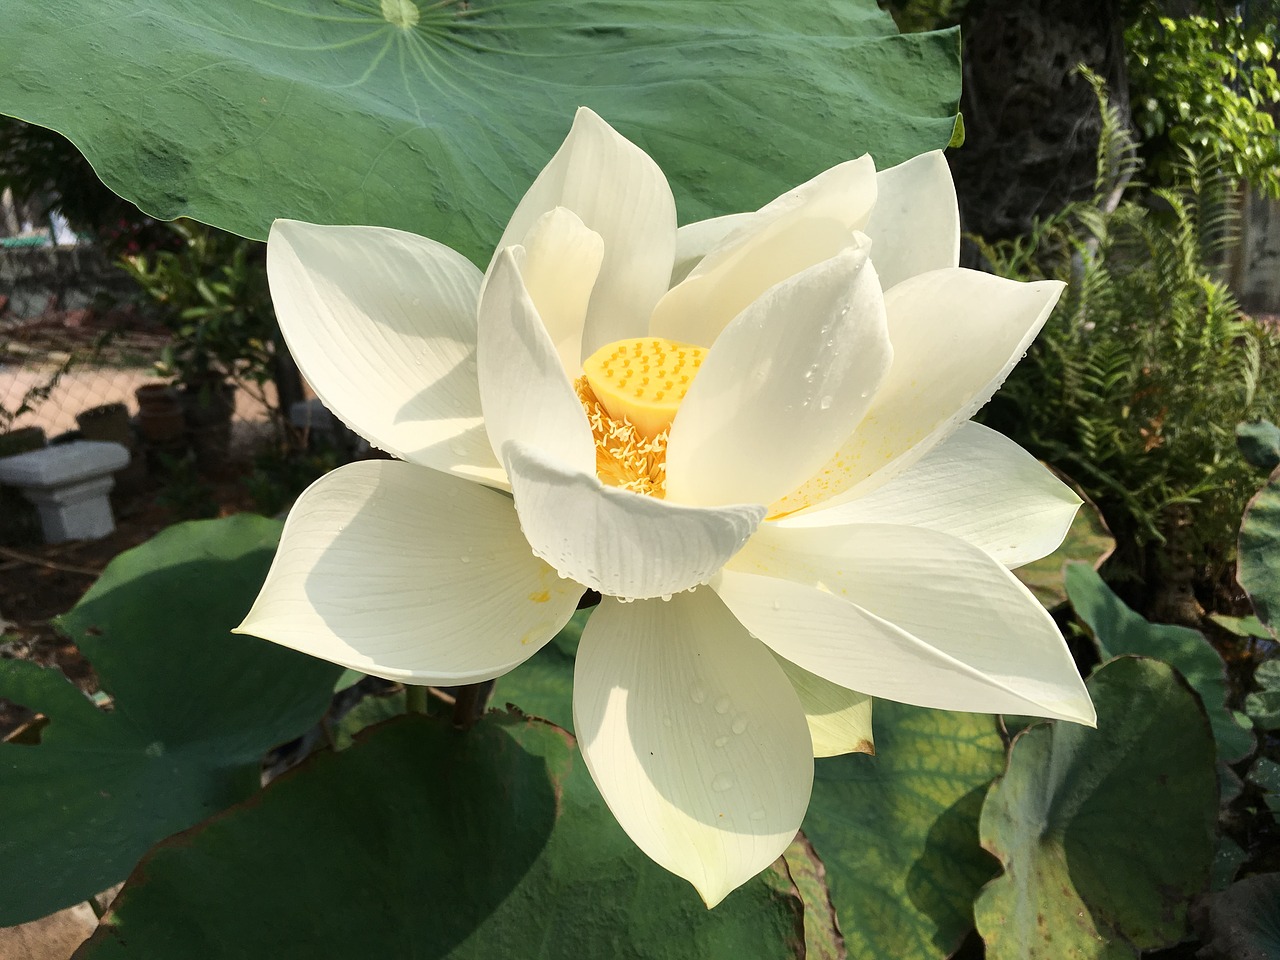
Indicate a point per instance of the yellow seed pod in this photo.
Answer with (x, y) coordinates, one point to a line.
(643, 380)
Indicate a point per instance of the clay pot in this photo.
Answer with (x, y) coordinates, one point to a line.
(159, 414)
(22, 440)
(109, 422)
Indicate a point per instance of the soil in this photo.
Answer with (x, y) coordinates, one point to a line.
(39, 582)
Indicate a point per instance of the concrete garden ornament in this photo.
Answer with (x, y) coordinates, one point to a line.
(750, 435)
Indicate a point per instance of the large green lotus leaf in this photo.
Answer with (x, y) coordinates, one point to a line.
(194, 708)
(422, 841)
(1119, 630)
(1106, 834)
(898, 831)
(435, 117)
(1243, 921)
(1259, 443)
(1258, 565)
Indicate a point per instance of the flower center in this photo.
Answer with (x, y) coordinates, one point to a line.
(401, 13)
(631, 390)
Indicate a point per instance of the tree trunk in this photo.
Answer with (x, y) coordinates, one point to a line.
(1031, 121)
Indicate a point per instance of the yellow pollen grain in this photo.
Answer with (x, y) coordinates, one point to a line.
(541, 596)
(641, 381)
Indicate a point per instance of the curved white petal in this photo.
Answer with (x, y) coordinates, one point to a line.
(619, 193)
(809, 224)
(907, 614)
(782, 388)
(524, 392)
(382, 324)
(695, 240)
(839, 719)
(694, 736)
(956, 334)
(915, 226)
(559, 263)
(620, 543)
(977, 485)
(405, 573)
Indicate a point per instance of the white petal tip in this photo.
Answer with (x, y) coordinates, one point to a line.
(862, 746)
(712, 900)
(1081, 713)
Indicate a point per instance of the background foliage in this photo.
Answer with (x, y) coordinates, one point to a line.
(1137, 381)
(1204, 86)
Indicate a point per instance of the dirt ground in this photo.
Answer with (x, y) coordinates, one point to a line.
(38, 581)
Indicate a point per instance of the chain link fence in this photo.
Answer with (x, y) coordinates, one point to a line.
(71, 340)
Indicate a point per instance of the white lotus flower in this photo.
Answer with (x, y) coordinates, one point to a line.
(813, 514)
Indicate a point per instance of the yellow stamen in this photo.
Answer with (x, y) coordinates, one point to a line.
(641, 382)
(624, 456)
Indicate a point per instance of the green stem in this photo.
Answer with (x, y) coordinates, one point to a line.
(415, 699)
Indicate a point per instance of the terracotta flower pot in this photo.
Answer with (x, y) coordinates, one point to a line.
(159, 413)
(109, 422)
(22, 440)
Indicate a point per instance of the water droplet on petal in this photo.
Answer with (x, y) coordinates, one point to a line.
(740, 724)
(825, 403)
(722, 782)
(698, 693)
(723, 705)
(721, 741)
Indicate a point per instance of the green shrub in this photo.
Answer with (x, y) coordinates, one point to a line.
(211, 293)
(1204, 85)
(1136, 384)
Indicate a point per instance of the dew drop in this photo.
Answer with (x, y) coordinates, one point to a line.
(777, 605)
(698, 693)
(723, 705)
(666, 598)
(465, 559)
(825, 403)
(722, 782)
(721, 741)
(739, 724)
